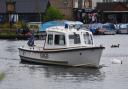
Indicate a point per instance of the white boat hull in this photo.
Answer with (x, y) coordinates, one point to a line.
(109, 32)
(71, 57)
(125, 31)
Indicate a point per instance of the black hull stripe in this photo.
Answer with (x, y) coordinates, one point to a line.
(39, 61)
(57, 63)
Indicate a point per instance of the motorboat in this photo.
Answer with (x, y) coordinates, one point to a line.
(67, 45)
(107, 29)
(122, 29)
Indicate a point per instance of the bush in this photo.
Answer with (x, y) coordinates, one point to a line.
(5, 26)
(20, 24)
(5, 34)
(8, 26)
(2, 75)
(53, 13)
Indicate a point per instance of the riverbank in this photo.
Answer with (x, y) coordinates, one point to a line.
(8, 34)
(12, 34)
(2, 75)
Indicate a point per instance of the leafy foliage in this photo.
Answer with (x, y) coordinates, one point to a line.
(53, 13)
(2, 75)
(21, 24)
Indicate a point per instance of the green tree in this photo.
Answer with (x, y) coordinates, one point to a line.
(52, 13)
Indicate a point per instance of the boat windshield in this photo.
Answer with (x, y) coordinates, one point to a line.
(74, 39)
(59, 40)
(75, 27)
(88, 38)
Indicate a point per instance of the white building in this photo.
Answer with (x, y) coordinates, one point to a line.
(115, 0)
(94, 2)
(82, 4)
(86, 3)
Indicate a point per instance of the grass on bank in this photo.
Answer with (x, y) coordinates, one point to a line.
(2, 76)
(8, 31)
(7, 34)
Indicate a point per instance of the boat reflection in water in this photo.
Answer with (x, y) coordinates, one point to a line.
(73, 74)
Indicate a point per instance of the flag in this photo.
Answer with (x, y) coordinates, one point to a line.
(31, 41)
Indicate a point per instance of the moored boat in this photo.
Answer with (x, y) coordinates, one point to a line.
(107, 29)
(122, 29)
(67, 45)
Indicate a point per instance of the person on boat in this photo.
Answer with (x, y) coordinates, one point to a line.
(31, 40)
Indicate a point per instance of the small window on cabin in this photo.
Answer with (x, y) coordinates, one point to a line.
(50, 39)
(87, 38)
(59, 40)
(74, 39)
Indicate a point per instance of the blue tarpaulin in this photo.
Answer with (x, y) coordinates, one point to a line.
(45, 25)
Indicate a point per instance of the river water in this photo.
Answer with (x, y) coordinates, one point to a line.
(29, 76)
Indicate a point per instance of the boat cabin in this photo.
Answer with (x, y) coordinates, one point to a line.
(67, 36)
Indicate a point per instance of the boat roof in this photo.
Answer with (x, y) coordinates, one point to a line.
(62, 29)
(73, 22)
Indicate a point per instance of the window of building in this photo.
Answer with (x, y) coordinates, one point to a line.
(87, 3)
(80, 3)
(59, 40)
(107, 0)
(75, 3)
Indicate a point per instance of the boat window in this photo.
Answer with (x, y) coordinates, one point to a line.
(71, 26)
(59, 40)
(50, 39)
(87, 38)
(74, 39)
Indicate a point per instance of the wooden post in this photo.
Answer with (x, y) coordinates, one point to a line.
(10, 5)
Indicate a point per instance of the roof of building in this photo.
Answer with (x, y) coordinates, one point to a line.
(113, 7)
(26, 6)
